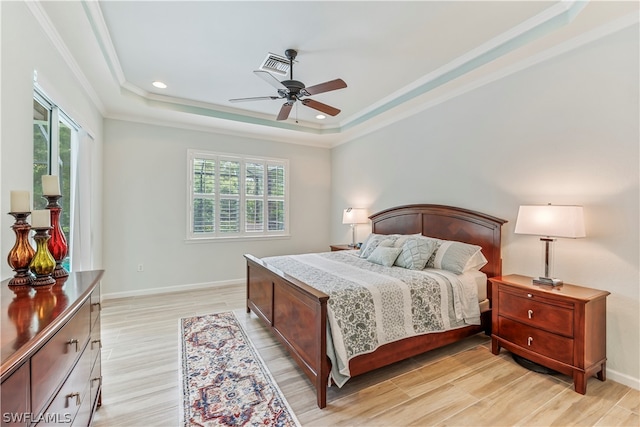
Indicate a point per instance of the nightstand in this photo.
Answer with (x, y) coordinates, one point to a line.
(561, 327)
(344, 247)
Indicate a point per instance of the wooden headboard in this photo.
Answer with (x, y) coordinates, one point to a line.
(448, 223)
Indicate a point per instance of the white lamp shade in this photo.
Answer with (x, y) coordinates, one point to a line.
(551, 221)
(355, 216)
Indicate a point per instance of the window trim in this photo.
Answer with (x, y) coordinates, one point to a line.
(216, 235)
(57, 118)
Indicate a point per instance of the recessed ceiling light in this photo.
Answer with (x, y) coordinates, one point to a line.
(321, 117)
(159, 85)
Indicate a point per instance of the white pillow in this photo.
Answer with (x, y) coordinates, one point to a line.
(384, 255)
(456, 257)
(416, 251)
(476, 262)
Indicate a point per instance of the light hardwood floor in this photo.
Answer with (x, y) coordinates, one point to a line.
(460, 385)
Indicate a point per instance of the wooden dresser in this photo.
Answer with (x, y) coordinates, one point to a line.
(51, 364)
(561, 327)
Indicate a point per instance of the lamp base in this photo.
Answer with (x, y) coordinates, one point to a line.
(547, 281)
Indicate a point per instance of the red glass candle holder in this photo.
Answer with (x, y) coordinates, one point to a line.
(57, 242)
(22, 253)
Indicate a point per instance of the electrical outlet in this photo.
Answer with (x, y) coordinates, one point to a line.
(140, 267)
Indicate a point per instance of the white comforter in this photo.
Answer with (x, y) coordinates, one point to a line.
(371, 305)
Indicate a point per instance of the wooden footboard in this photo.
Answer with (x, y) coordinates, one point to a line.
(297, 316)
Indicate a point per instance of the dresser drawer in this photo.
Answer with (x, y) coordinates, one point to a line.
(95, 381)
(51, 364)
(538, 312)
(95, 344)
(95, 305)
(84, 413)
(15, 397)
(542, 342)
(73, 392)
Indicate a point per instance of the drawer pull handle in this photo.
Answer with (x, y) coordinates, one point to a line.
(529, 295)
(71, 396)
(529, 341)
(99, 342)
(99, 379)
(98, 304)
(73, 341)
(530, 314)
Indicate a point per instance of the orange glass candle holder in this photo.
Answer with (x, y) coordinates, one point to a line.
(22, 253)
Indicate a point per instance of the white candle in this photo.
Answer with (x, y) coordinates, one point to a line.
(41, 218)
(50, 185)
(20, 201)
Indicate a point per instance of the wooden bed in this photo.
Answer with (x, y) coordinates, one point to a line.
(296, 313)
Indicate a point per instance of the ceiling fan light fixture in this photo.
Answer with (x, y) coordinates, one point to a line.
(159, 84)
(321, 117)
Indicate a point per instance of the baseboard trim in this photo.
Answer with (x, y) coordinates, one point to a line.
(172, 289)
(623, 379)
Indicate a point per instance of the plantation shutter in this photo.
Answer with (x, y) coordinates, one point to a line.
(232, 196)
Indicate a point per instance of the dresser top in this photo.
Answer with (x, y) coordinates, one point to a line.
(30, 316)
(567, 290)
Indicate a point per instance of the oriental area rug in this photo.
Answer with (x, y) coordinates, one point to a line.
(224, 380)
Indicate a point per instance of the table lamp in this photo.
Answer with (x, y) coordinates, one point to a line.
(353, 216)
(550, 221)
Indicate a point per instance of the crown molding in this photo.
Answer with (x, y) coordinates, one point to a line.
(405, 102)
(52, 34)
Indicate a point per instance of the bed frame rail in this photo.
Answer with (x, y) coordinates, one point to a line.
(296, 314)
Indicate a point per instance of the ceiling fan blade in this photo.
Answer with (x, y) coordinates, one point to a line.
(327, 109)
(284, 111)
(325, 87)
(255, 98)
(269, 78)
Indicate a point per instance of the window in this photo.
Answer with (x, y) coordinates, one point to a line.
(53, 132)
(235, 196)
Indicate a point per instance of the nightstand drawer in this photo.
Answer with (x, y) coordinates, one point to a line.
(541, 342)
(537, 312)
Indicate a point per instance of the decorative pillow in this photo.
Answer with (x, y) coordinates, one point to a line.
(364, 244)
(373, 241)
(384, 255)
(397, 239)
(415, 253)
(400, 239)
(453, 256)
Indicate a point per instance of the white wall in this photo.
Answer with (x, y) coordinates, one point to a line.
(564, 132)
(25, 48)
(145, 213)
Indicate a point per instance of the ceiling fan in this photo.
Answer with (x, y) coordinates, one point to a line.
(294, 90)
